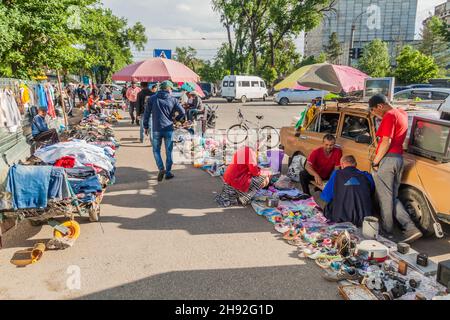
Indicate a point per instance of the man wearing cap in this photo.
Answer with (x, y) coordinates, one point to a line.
(388, 166)
(195, 105)
(132, 96)
(162, 108)
(40, 130)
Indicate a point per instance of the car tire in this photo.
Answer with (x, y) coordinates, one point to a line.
(243, 99)
(229, 100)
(284, 101)
(264, 97)
(418, 209)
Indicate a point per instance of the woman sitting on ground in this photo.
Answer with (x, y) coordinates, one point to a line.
(243, 178)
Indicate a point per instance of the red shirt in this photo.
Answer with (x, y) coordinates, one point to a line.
(324, 164)
(243, 168)
(394, 126)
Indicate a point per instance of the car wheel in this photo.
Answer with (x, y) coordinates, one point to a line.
(418, 209)
(284, 101)
(243, 99)
(265, 97)
(229, 100)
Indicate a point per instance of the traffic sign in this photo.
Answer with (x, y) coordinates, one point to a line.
(162, 53)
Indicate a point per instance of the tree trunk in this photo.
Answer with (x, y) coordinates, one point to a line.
(230, 49)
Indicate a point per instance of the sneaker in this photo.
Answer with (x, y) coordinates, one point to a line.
(170, 176)
(336, 276)
(412, 235)
(161, 175)
(137, 122)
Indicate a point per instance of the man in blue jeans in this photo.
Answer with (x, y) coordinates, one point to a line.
(162, 107)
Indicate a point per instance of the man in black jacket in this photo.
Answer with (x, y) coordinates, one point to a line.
(142, 100)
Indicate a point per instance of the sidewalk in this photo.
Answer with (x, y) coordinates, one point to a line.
(165, 240)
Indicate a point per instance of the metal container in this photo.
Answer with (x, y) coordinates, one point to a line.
(272, 203)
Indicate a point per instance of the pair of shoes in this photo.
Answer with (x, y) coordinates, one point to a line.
(161, 175)
(336, 276)
(132, 122)
(170, 176)
(412, 235)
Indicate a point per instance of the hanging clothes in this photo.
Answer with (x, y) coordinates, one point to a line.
(50, 106)
(10, 117)
(42, 96)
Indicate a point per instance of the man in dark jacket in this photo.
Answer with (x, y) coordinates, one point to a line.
(142, 100)
(162, 107)
(348, 194)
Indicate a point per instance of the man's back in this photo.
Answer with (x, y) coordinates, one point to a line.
(162, 107)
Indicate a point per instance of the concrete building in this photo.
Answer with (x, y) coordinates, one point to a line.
(392, 21)
(442, 11)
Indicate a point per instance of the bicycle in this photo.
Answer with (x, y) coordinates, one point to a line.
(239, 133)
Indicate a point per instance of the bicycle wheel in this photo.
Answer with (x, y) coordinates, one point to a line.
(237, 134)
(269, 137)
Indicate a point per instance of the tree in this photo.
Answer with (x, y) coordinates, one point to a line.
(434, 42)
(187, 56)
(321, 58)
(415, 67)
(334, 49)
(375, 60)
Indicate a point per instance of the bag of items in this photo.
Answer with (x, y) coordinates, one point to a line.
(297, 165)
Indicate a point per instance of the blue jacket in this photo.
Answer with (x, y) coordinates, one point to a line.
(162, 107)
(38, 126)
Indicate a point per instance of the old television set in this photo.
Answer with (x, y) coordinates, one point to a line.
(373, 86)
(430, 138)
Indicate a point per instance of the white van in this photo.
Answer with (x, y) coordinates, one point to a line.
(243, 88)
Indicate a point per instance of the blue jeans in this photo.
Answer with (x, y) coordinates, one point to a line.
(157, 142)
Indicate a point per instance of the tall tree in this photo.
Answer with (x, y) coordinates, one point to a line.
(434, 42)
(334, 48)
(375, 60)
(188, 57)
(415, 67)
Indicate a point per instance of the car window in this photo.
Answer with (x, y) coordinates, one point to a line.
(255, 84)
(403, 96)
(439, 95)
(263, 85)
(231, 84)
(421, 95)
(245, 83)
(225, 84)
(355, 126)
(325, 123)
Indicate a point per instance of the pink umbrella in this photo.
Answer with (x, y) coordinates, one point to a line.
(156, 69)
(334, 78)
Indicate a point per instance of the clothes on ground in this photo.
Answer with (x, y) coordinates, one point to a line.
(231, 196)
(348, 195)
(65, 162)
(88, 185)
(162, 107)
(324, 164)
(394, 126)
(46, 138)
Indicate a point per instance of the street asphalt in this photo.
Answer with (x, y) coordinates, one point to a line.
(169, 240)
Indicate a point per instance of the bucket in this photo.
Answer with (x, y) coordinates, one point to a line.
(370, 227)
(275, 158)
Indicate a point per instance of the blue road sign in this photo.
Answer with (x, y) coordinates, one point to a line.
(162, 53)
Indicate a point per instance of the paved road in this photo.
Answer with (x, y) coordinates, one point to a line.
(170, 241)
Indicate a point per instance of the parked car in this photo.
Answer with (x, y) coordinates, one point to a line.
(209, 89)
(285, 97)
(440, 95)
(425, 182)
(243, 88)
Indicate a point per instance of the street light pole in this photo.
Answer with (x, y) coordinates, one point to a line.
(352, 37)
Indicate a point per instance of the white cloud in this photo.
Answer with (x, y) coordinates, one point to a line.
(183, 7)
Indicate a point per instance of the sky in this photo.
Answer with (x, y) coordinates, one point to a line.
(172, 23)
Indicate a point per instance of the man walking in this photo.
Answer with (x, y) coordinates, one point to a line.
(143, 98)
(132, 94)
(388, 166)
(162, 107)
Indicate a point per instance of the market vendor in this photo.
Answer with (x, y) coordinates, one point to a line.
(348, 194)
(321, 164)
(244, 176)
(39, 128)
(195, 105)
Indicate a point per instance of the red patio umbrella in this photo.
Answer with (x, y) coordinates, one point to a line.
(156, 70)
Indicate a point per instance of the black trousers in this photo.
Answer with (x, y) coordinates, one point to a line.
(133, 108)
(305, 180)
(47, 136)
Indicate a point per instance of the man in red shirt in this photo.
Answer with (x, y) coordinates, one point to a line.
(321, 163)
(132, 96)
(388, 166)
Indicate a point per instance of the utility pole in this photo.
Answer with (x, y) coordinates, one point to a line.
(352, 38)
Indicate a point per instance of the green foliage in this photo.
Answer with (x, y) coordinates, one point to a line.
(435, 42)
(334, 49)
(321, 58)
(375, 60)
(415, 67)
(37, 36)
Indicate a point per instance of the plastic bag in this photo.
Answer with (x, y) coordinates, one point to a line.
(296, 167)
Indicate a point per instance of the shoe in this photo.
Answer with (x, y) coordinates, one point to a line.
(161, 175)
(412, 235)
(337, 276)
(137, 122)
(170, 176)
(141, 141)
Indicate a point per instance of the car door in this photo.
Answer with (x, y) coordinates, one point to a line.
(323, 123)
(352, 127)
